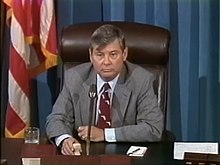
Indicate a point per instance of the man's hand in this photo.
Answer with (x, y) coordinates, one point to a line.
(96, 135)
(68, 146)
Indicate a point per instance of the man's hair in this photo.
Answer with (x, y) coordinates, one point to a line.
(106, 34)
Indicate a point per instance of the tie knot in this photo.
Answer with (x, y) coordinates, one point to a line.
(106, 86)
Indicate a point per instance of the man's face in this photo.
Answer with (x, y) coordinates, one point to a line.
(108, 61)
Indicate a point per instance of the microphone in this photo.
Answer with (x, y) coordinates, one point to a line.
(92, 95)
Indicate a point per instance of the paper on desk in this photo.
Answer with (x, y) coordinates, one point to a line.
(181, 147)
(136, 151)
(30, 161)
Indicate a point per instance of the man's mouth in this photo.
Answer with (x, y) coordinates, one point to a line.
(107, 70)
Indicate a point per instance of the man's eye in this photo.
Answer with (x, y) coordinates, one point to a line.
(114, 54)
(99, 54)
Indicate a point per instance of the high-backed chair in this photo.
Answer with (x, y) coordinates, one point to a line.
(148, 46)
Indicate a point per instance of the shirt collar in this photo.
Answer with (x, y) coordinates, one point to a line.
(100, 83)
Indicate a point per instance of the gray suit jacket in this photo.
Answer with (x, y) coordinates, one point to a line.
(135, 114)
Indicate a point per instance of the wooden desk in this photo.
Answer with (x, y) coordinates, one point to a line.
(11, 150)
(160, 153)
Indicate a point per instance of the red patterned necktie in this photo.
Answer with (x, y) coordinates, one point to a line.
(104, 120)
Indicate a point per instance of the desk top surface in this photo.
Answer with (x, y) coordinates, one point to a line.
(157, 153)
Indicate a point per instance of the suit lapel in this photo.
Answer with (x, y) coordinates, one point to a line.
(85, 100)
(121, 99)
(120, 103)
(84, 105)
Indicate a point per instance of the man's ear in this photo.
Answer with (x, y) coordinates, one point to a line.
(90, 55)
(125, 54)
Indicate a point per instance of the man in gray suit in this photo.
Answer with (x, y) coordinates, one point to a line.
(134, 113)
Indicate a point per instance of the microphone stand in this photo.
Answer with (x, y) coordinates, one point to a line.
(92, 96)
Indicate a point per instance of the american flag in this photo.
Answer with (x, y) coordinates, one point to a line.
(33, 49)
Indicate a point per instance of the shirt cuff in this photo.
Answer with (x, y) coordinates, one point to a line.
(110, 135)
(60, 138)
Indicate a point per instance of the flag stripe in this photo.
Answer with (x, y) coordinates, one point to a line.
(51, 45)
(18, 41)
(45, 23)
(19, 14)
(19, 71)
(19, 104)
(20, 107)
(14, 118)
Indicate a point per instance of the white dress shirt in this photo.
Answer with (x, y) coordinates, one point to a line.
(109, 132)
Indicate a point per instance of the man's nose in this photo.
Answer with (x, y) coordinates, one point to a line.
(107, 59)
